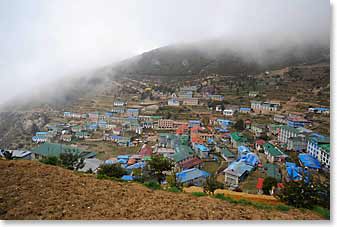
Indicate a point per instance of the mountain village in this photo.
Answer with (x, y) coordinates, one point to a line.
(203, 135)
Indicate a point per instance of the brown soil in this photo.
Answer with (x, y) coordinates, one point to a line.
(31, 190)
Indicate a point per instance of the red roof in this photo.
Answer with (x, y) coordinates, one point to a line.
(260, 142)
(145, 151)
(131, 161)
(280, 185)
(196, 139)
(195, 128)
(189, 163)
(259, 184)
(182, 129)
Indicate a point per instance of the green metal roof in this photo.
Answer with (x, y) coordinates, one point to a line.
(273, 171)
(55, 149)
(272, 150)
(227, 153)
(289, 128)
(238, 137)
(182, 152)
(325, 147)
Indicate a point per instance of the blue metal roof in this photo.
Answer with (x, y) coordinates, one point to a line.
(238, 168)
(122, 161)
(110, 162)
(294, 172)
(123, 157)
(127, 178)
(243, 150)
(252, 159)
(136, 165)
(202, 148)
(290, 164)
(191, 174)
(309, 161)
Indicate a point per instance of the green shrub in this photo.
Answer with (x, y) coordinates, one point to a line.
(51, 161)
(306, 195)
(173, 189)
(152, 185)
(199, 194)
(114, 170)
(268, 184)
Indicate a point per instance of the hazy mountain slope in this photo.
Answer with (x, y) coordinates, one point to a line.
(221, 57)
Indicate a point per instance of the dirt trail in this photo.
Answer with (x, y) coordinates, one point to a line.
(31, 190)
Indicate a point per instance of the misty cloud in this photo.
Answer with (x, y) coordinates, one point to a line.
(43, 41)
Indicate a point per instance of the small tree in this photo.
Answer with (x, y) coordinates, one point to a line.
(172, 180)
(51, 161)
(268, 184)
(211, 185)
(71, 160)
(239, 125)
(158, 165)
(111, 170)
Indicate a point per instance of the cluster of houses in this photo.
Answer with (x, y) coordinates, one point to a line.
(189, 143)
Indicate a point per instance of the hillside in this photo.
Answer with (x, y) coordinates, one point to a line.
(217, 56)
(31, 190)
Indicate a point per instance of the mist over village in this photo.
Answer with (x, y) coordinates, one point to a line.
(165, 110)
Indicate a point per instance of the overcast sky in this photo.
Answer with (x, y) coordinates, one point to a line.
(44, 40)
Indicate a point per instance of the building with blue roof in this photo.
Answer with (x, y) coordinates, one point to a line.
(245, 110)
(132, 112)
(243, 150)
(138, 165)
(202, 150)
(236, 172)
(309, 161)
(251, 159)
(296, 173)
(221, 130)
(321, 110)
(193, 176)
(192, 123)
(127, 178)
(319, 147)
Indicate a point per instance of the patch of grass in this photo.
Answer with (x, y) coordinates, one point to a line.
(173, 189)
(152, 185)
(199, 194)
(322, 211)
(105, 177)
(243, 202)
(282, 207)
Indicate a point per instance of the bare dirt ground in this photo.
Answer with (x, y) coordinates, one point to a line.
(31, 190)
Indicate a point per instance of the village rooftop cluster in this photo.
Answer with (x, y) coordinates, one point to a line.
(221, 140)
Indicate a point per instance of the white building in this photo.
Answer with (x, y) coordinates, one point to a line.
(228, 112)
(319, 147)
(165, 123)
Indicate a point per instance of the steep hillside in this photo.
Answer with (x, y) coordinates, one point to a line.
(31, 190)
(221, 57)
